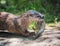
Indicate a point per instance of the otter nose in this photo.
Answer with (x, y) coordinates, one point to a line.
(42, 17)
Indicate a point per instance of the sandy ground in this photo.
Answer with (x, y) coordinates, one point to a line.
(48, 38)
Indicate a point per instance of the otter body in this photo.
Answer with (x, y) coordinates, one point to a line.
(19, 24)
(7, 22)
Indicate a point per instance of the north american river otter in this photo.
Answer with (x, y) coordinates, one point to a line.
(20, 24)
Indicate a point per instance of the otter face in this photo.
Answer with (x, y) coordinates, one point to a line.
(35, 20)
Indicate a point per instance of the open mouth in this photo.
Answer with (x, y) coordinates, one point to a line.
(34, 27)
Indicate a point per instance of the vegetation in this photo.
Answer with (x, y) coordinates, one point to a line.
(50, 8)
(32, 25)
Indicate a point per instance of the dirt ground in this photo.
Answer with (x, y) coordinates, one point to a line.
(50, 37)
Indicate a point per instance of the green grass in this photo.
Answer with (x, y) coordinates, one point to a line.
(32, 25)
(55, 25)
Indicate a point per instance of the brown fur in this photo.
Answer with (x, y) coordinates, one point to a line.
(8, 23)
(21, 25)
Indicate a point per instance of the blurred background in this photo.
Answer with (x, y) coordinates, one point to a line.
(50, 8)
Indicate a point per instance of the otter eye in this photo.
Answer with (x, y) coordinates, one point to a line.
(42, 17)
(30, 14)
(39, 16)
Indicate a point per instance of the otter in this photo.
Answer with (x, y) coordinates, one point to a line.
(20, 24)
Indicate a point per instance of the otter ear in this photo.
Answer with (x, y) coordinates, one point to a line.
(25, 15)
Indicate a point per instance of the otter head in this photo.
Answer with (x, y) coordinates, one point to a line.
(33, 21)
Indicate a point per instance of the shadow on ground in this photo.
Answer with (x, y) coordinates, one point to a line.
(48, 38)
